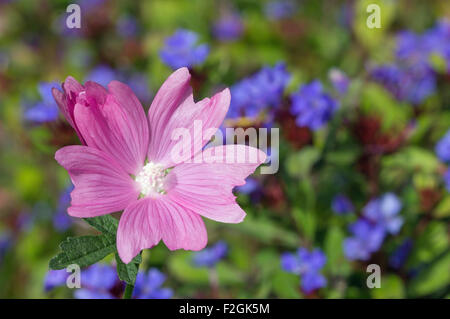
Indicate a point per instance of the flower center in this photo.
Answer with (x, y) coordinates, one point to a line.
(151, 179)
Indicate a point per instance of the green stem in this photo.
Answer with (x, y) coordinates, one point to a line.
(128, 291)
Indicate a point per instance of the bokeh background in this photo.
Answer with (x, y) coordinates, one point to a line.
(364, 150)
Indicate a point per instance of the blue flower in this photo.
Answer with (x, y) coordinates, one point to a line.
(417, 48)
(252, 95)
(279, 9)
(46, 110)
(443, 148)
(228, 28)
(400, 255)
(313, 107)
(249, 187)
(367, 238)
(96, 282)
(148, 286)
(127, 26)
(384, 212)
(209, 257)
(339, 80)
(138, 82)
(182, 50)
(61, 220)
(102, 74)
(5, 244)
(55, 278)
(307, 265)
(408, 83)
(342, 205)
(447, 179)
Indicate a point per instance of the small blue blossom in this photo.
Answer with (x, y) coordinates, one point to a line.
(339, 80)
(55, 278)
(408, 83)
(61, 220)
(367, 238)
(384, 211)
(229, 27)
(307, 265)
(138, 82)
(148, 286)
(252, 95)
(46, 110)
(127, 26)
(447, 179)
(96, 282)
(399, 256)
(279, 9)
(210, 256)
(341, 204)
(102, 74)
(443, 148)
(5, 244)
(182, 50)
(313, 107)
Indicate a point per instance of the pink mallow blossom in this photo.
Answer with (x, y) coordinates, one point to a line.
(125, 163)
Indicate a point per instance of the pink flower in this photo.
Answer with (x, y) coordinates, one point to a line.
(126, 163)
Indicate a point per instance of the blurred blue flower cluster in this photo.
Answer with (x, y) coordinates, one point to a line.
(61, 220)
(100, 281)
(339, 80)
(279, 9)
(210, 256)
(308, 265)
(379, 218)
(412, 77)
(229, 27)
(312, 106)
(46, 110)
(443, 152)
(182, 50)
(252, 95)
(341, 204)
(148, 285)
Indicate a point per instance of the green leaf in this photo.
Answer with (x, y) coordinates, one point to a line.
(128, 272)
(391, 288)
(106, 224)
(336, 264)
(286, 285)
(432, 278)
(443, 209)
(83, 251)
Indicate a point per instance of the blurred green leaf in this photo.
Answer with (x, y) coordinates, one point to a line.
(432, 278)
(391, 288)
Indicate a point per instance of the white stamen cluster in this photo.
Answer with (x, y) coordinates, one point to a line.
(151, 179)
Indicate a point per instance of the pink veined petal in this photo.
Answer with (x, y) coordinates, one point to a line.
(125, 97)
(174, 91)
(206, 188)
(114, 124)
(200, 120)
(101, 185)
(144, 223)
(66, 101)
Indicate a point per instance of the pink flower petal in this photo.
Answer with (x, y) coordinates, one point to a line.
(144, 223)
(206, 188)
(201, 120)
(174, 91)
(66, 101)
(175, 107)
(101, 185)
(114, 123)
